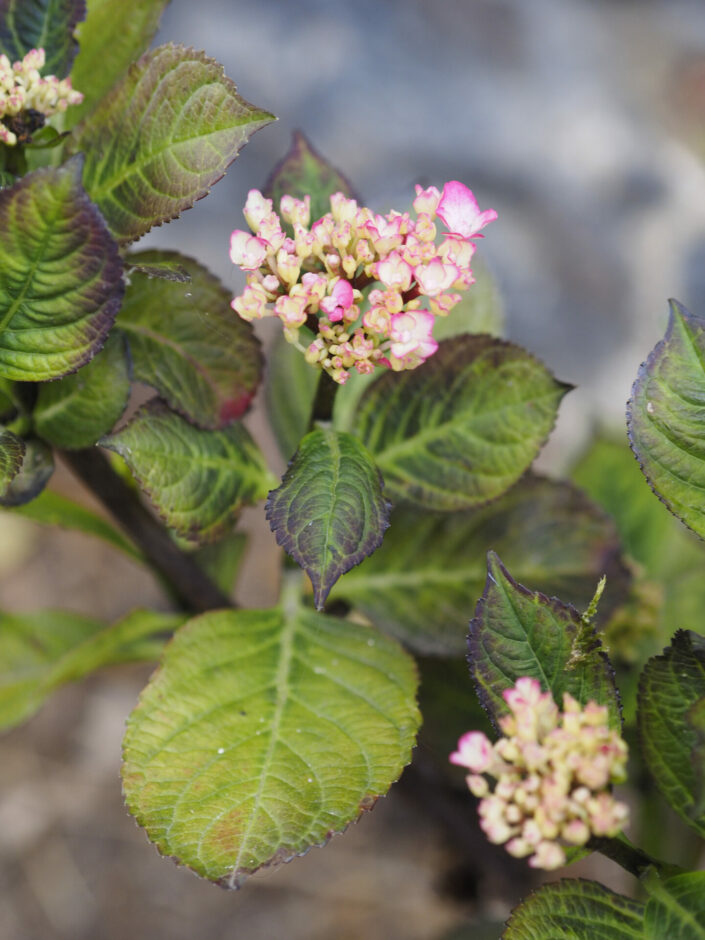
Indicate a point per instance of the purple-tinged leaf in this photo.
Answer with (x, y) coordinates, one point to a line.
(60, 276)
(517, 632)
(37, 467)
(162, 138)
(12, 451)
(46, 24)
(329, 512)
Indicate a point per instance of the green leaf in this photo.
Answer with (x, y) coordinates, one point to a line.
(423, 582)
(37, 467)
(198, 480)
(41, 651)
(670, 685)
(60, 276)
(221, 560)
(676, 907)
(304, 172)
(519, 633)
(480, 311)
(186, 342)
(41, 24)
(574, 909)
(460, 430)
(115, 33)
(329, 512)
(664, 418)
(79, 409)
(12, 451)
(695, 717)
(164, 135)
(53, 509)
(290, 387)
(263, 733)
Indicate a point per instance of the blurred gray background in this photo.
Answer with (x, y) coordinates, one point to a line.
(583, 123)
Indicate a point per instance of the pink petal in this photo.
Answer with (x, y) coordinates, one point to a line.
(460, 212)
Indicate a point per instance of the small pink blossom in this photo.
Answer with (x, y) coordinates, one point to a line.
(394, 272)
(257, 209)
(252, 302)
(339, 302)
(291, 310)
(296, 211)
(412, 332)
(247, 250)
(426, 200)
(436, 277)
(459, 210)
(474, 752)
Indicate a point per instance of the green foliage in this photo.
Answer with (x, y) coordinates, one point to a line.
(303, 172)
(519, 633)
(461, 429)
(221, 560)
(60, 276)
(12, 451)
(671, 686)
(41, 24)
(676, 907)
(165, 134)
(574, 909)
(329, 512)
(42, 651)
(79, 409)
(114, 34)
(665, 418)
(315, 719)
(37, 467)
(198, 480)
(422, 584)
(187, 343)
(290, 388)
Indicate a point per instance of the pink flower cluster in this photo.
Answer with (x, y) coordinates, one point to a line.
(320, 276)
(552, 770)
(23, 89)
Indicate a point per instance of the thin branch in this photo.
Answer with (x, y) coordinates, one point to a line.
(191, 586)
(322, 409)
(632, 859)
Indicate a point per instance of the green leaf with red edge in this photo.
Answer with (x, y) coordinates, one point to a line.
(80, 408)
(575, 909)
(60, 276)
(263, 733)
(41, 24)
(517, 632)
(162, 138)
(422, 584)
(12, 451)
(114, 34)
(37, 467)
(186, 342)
(329, 512)
(671, 688)
(665, 418)
(304, 172)
(197, 480)
(462, 428)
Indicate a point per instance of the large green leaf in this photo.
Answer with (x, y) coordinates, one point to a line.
(665, 418)
(37, 467)
(670, 686)
(304, 172)
(115, 33)
(12, 451)
(461, 429)
(423, 582)
(198, 480)
(53, 509)
(264, 733)
(77, 410)
(186, 342)
(290, 387)
(60, 276)
(41, 24)
(676, 907)
(517, 632)
(574, 909)
(162, 137)
(41, 651)
(329, 512)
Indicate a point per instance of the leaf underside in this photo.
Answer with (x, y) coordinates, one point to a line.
(37, 467)
(45, 24)
(12, 451)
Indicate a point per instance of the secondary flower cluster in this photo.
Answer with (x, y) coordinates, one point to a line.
(553, 772)
(317, 275)
(24, 90)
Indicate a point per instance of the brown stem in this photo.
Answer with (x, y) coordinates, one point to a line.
(322, 409)
(191, 586)
(632, 859)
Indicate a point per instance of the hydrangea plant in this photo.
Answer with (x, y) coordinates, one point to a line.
(410, 429)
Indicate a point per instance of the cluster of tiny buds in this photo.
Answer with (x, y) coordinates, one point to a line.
(553, 772)
(318, 276)
(27, 98)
